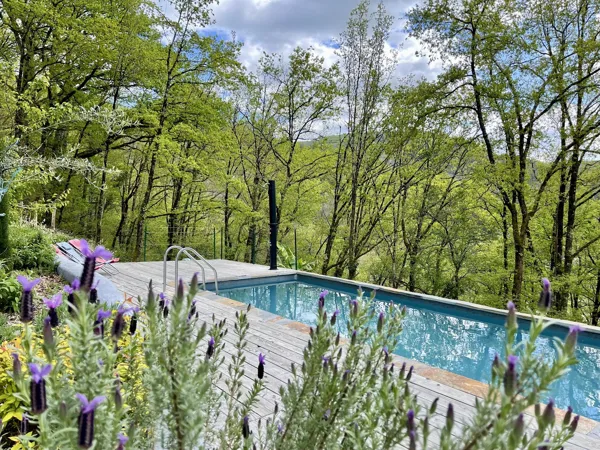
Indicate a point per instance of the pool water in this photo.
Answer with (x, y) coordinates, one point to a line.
(455, 339)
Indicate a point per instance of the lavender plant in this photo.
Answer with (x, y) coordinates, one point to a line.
(152, 377)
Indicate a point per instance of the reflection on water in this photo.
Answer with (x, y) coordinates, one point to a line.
(465, 347)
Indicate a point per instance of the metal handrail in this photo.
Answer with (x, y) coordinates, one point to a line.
(165, 265)
(203, 259)
(185, 251)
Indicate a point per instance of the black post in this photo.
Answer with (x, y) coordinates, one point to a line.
(273, 225)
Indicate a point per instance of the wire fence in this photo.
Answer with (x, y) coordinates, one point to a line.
(211, 243)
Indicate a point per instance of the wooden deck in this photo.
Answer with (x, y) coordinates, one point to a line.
(283, 341)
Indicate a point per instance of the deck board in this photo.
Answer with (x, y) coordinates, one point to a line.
(283, 342)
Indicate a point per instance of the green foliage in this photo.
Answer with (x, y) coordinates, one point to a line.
(10, 293)
(32, 250)
(287, 259)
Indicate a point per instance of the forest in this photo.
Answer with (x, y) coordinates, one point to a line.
(130, 124)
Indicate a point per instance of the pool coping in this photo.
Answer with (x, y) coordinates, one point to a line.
(471, 386)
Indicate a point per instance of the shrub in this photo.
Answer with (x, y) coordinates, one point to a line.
(10, 293)
(163, 388)
(31, 249)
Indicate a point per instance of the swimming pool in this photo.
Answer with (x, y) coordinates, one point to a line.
(453, 338)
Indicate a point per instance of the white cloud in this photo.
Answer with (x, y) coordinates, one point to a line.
(281, 25)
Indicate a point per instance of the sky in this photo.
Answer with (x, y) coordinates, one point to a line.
(281, 25)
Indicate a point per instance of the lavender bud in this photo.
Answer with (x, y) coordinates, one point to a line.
(211, 347)
(518, 428)
(567, 417)
(53, 315)
(118, 396)
(380, 322)
(327, 415)
(450, 417)
(93, 296)
(353, 338)
(118, 326)
(574, 424)
(47, 332)
(261, 366)
(548, 416)
(410, 420)
(37, 387)
(545, 296)
(16, 365)
(246, 428)
(337, 339)
(26, 307)
(409, 374)
(571, 340)
(85, 436)
(510, 376)
(38, 396)
(87, 274)
(412, 440)
(511, 318)
(133, 324)
(334, 316)
(62, 410)
(180, 290)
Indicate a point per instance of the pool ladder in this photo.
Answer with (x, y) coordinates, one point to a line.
(193, 255)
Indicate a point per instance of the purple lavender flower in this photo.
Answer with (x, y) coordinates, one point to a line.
(246, 427)
(511, 319)
(261, 366)
(99, 323)
(545, 296)
(380, 322)
(52, 304)
(354, 307)
(27, 298)
(70, 290)
(122, 441)
(322, 298)
(511, 376)
(211, 347)
(412, 440)
(89, 265)
(37, 387)
(119, 322)
(163, 304)
(450, 417)
(93, 298)
(571, 340)
(410, 420)
(353, 338)
(86, 419)
(334, 316)
(327, 415)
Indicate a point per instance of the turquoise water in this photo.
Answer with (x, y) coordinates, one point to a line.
(458, 340)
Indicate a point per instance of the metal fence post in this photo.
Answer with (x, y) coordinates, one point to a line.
(295, 250)
(214, 243)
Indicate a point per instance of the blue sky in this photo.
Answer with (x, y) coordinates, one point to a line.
(280, 25)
